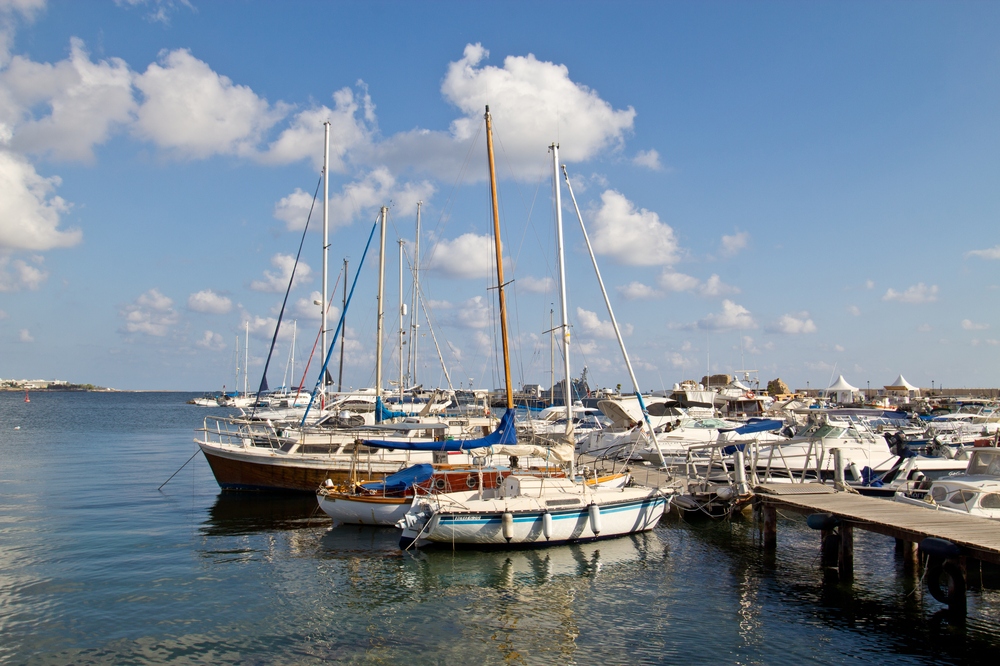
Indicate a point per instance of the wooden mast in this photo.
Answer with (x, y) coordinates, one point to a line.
(500, 282)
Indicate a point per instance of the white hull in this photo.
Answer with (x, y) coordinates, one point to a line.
(518, 518)
(347, 510)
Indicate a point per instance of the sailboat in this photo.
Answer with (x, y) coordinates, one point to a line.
(531, 509)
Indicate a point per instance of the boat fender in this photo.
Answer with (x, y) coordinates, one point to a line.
(855, 472)
(595, 518)
(547, 525)
(507, 522)
(724, 493)
(940, 548)
(328, 484)
(822, 521)
(946, 582)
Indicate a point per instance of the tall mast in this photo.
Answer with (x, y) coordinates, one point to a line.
(552, 357)
(556, 191)
(415, 312)
(381, 314)
(246, 361)
(614, 322)
(326, 232)
(402, 313)
(343, 336)
(499, 248)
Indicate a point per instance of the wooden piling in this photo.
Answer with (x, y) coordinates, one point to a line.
(846, 560)
(770, 527)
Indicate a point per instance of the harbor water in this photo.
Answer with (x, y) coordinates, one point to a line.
(99, 566)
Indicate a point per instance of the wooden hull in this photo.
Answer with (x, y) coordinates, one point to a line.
(281, 474)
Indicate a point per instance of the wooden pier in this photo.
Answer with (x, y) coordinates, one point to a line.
(959, 535)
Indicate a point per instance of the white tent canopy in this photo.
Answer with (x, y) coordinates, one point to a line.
(841, 391)
(901, 385)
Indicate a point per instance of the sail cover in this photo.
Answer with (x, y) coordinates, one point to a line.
(384, 414)
(402, 479)
(756, 425)
(505, 434)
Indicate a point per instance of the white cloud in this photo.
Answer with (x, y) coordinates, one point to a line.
(276, 282)
(352, 124)
(152, 313)
(733, 316)
(634, 237)
(533, 103)
(210, 302)
(84, 102)
(854, 310)
(677, 281)
(195, 112)
(714, 287)
(10, 11)
(732, 245)
(473, 313)
(649, 159)
(29, 212)
(924, 328)
(307, 308)
(988, 253)
(470, 256)
(869, 284)
(792, 324)
(638, 291)
(592, 325)
(17, 274)
(536, 285)
(918, 293)
(24, 335)
(211, 341)
(969, 325)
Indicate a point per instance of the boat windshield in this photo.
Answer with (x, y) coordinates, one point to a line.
(985, 463)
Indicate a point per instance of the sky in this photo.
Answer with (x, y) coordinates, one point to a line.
(790, 190)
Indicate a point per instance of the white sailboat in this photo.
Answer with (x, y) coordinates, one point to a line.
(531, 510)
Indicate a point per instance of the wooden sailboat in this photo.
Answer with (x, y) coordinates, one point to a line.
(531, 510)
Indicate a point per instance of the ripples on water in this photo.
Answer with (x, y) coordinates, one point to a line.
(98, 567)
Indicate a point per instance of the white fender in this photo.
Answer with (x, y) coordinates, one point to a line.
(547, 525)
(595, 518)
(508, 525)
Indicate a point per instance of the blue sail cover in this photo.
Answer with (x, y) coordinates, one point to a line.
(383, 414)
(401, 480)
(505, 434)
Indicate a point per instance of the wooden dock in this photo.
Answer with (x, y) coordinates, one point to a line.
(977, 537)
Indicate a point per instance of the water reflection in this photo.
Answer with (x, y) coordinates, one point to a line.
(236, 514)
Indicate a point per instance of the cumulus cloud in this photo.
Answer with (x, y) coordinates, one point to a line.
(733, 316)
(191, 110)
(470, 256)
(854, 310)
(211, 341)
(536, 285)
(631, 236)
(677, 282)
(533, 102)
(650, 159)
(473, 313)
(18, 275)
(152, 313)
(84, 102)
(29, 210)
(276, 281)
(733, 245)
(594, 326)
(715, 287)
(24, 335)
(634, 291)
(210, 302)
(352, 125)
(918, 293)
(792, 324)
(970, 325)
(988, 253)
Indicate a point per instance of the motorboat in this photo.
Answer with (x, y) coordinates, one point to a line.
(974, 492)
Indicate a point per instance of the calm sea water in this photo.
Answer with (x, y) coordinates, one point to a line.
(97, 566)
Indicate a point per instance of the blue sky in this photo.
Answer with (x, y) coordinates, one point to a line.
(800, 189)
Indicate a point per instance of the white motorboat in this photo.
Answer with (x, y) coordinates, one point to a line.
(976, 492)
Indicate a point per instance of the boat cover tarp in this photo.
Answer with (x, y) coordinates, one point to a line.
(756, 425)
(402, 479)
(505, 434)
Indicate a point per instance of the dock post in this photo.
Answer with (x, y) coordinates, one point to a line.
(846, 563)
(770, 527)
(911, 558)
(839, 482)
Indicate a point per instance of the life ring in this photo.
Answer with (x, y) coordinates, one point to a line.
(471, 482)
(440, 484)
(750, 395)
